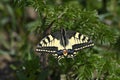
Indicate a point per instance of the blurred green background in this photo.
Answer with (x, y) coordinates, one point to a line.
(24, 22)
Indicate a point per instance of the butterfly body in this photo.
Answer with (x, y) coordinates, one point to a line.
(64, 43)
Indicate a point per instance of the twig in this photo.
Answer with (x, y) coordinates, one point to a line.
(48, 29)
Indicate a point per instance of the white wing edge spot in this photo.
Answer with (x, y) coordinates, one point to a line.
(77, 34)
(84, 47)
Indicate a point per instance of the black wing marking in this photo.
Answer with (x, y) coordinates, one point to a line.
(70, 33)
(78, 47)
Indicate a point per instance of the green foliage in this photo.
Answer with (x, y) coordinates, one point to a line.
(19, 35)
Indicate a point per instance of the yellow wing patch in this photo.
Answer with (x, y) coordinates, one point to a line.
(52, 42)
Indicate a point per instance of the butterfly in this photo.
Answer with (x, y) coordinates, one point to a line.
(64, 43)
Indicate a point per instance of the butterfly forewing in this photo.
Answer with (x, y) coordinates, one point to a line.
(49, 44)
(81, 42)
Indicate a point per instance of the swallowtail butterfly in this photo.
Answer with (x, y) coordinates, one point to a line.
(64, 43)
